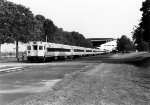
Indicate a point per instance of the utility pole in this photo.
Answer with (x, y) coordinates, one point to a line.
(46, 38)
(0, 50)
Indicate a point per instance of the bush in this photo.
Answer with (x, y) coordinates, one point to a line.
(142, 46)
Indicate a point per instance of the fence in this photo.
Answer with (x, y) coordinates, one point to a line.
(11, 56)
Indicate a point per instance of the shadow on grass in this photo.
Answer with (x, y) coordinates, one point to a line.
(139, 61)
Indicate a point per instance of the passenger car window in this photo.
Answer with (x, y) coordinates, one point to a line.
(40, 47)
(28, 47)
(34, 47)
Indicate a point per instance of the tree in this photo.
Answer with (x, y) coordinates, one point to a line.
(71, 38)
(124, 44)
(17, 22)
(38, 31)
(47, 27)
(141, 34)
(137, 35)
(41, 18)
(3, 26)
(145, 21)
(141, 45)
(49, 30)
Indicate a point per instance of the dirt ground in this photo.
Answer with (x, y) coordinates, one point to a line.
(104, 84)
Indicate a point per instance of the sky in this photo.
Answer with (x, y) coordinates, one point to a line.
(92, 18)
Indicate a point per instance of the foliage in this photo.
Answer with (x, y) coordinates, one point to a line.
(47, 27)
(141, 34)
(58, 35)
(145, 21)
(124, 44)
(16, 23)
(38, 32)
(49, 30)
(71, 38)
(142, 46)
(137, 35)
(3, 25)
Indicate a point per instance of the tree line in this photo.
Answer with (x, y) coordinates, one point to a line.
(19, 24)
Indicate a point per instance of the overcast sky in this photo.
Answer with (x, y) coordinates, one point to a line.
(92, 18)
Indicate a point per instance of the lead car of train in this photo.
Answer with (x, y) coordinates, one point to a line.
(41, 51)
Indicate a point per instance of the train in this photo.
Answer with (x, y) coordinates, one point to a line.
(43, 51)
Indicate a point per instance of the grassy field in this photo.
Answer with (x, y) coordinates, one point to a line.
(105, 84)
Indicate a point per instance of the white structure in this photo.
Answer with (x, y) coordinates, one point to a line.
(9, 47)
(109, 46)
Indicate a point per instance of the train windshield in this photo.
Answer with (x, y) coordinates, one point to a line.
(28, 47)
(34, 47)
(40, 47)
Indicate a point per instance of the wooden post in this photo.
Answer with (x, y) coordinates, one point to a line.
(17, 55)
(0, 50)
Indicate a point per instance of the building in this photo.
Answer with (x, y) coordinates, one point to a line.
(9, 49)
(98, 41)
(108, 46)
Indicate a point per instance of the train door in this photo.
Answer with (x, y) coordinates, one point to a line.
(34, 50)
(41, 50)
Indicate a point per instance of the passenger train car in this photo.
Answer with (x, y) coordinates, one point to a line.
(41, 51)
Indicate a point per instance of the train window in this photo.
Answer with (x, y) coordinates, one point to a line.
(78, 50)
(34, 47)
(28, 47)
(40, 47)
(88, 50)
(57, 50)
